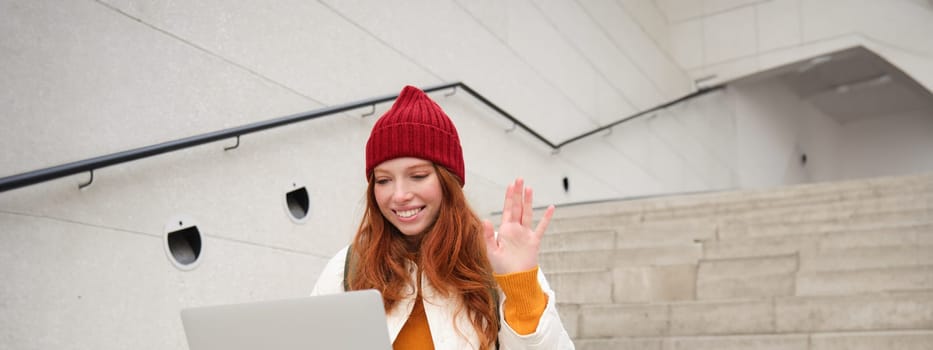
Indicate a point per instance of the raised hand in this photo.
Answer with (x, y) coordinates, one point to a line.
(516, 247)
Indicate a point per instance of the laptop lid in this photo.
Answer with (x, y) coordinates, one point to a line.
(352, 320)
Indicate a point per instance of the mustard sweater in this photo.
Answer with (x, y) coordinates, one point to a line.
(524, 304)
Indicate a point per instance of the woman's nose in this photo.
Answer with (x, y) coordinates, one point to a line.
(402, 193)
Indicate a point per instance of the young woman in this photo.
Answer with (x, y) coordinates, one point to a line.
(448, 280)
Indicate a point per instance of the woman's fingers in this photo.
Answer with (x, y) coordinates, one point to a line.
(518, 205)
(516, 248)
(517, 189)
(545, 220)
(489, 236)
(527, 212)
(507, 206)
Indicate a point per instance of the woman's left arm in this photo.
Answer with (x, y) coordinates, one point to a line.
(513, 253)
(548, 331)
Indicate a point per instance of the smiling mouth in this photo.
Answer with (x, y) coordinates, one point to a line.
(404, 214)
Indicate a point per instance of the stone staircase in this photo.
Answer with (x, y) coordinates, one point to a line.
(845, 265)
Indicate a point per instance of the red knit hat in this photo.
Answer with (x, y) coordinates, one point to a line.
(415, 126)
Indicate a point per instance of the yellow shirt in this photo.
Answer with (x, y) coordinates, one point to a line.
(524, 304)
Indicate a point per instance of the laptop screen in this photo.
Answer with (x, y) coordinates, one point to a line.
(352, 320)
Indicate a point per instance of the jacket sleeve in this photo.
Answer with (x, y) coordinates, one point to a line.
(550, 333)
(331, 279)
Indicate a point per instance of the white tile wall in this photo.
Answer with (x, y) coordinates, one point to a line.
(901, 23)
(717, 6)
(778, 24)
(83, 81)
(729, 35)
(76, 283)
(647, 15)
(539, 44)
(491, 13)
(622, 177)
(721, 73)
(687, 43)
(680, 10)
(777, 58)
(665, 162)
(610, 108)
(467, 51)
(314, 51)
(619, 71)
(628, 37)
(826, 19)
(629, 138)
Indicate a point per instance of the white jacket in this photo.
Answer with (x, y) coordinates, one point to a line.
(440, 311)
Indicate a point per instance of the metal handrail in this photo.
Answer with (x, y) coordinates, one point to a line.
(91, 164)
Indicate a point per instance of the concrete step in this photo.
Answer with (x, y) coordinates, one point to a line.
(898, 340)
(863, 312)
(760, 246)
(803, 211)
(701, 227)
(727, 342)
(640, 236)
(578, 241)
(654, 284)
(833, 210)
(693, 205)
(860, 258)
(569, 317)
(684, 231)
(779, 315)
(625, 285)
(893, 279)
(818, 237)
(907, 235)
(659, 255)
(739, 342)
(619, 344)
(584, 286)
(591, 223)
(759, 277)
(672, 319)
(612, 320)
(876, 221)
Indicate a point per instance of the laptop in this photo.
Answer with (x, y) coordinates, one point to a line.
(352, 320)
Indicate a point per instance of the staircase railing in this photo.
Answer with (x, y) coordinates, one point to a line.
(91, 164)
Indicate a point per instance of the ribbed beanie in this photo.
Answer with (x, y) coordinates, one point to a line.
(415, 126)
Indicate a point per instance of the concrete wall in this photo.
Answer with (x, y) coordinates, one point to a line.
(891, 144)
(720, 40)
(88, 268)
(775, 130)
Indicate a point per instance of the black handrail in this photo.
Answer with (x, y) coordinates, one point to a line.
(91, 164)
(692, 95)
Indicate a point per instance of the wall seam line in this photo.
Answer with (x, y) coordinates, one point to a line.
(209, 52)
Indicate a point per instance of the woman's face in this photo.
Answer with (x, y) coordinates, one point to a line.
(408, 193)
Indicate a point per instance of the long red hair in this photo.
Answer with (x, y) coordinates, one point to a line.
(452, 255)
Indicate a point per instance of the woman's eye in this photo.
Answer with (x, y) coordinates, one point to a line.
(420, 176)
(382, 181)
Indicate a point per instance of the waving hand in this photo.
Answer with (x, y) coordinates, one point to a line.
(515, 249)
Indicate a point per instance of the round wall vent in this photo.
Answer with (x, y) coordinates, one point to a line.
(183, 243)
(297, 202)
